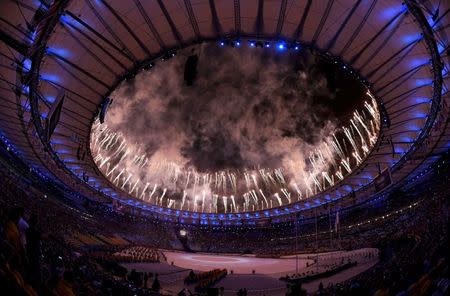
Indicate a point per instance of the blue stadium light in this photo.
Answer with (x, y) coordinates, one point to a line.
(399, 150)
(422, 100)
(296, 47)
(58, 51)
(391, 12)
(266, 44)
(281, 46)
(418, 62)
(50, 77)
(56, 141)
(252, 43)
(422, 82)
(420, 115)
(222, 43)
(238, 43)
(27, 64)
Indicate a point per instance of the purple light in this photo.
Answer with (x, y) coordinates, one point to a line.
(50, 77)
(421, 115)
(56, 141)
(348, 188)
(62, 52)
(422, 82)
(50, 99)
(421, 100)
(413, 127)
(406, 139)
(406, 39)
(70, 21)
(27, 64)
(399, 150)
(418, 62)
(390, 12)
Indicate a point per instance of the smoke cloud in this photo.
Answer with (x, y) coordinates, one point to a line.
(248, 110)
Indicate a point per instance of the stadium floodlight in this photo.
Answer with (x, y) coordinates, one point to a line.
(281, 45)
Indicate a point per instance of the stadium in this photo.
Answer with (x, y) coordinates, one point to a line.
(245, 147)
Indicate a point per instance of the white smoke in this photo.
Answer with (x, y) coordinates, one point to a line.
(248, 110)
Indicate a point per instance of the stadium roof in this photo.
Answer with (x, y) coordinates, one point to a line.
(87, 47)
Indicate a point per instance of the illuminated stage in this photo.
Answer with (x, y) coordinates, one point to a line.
(267, 270)
(236, 263)
(246, 264)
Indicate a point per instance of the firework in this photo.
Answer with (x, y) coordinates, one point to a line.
(129, 168)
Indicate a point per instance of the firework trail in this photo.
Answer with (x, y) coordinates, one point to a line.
(224, 199)
(126, 166)
(234, 203)
(264, 197)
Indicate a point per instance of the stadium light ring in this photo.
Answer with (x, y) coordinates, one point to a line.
(293, 207)
(88, 146)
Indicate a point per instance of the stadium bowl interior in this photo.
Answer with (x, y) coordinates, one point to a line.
(272, 128)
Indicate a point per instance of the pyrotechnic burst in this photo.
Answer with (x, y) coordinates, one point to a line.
(256, 132)
(172, 184)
